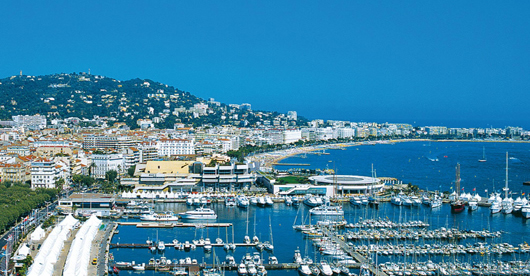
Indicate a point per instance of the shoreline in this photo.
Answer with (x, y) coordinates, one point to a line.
(268, 159)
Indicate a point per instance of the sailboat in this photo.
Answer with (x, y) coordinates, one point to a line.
(507, 202)
(483, 155)
(457, 205)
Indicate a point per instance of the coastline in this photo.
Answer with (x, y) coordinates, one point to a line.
(270, 158)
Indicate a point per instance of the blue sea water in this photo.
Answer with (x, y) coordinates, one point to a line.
(407, 161)
(411, 162)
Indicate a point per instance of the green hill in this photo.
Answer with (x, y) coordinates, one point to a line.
(60, 96)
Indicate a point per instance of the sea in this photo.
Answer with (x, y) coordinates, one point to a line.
(430, 165)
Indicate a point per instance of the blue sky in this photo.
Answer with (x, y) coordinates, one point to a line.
(432, 62)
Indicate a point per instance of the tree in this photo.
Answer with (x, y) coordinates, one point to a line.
(111, 175)
(130, 171)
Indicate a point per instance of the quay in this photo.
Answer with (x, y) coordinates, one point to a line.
(198, 267)
(171, 225)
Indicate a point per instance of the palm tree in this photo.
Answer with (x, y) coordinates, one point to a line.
(92, 168)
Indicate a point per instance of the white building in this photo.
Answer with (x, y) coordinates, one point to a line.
(30, 122)
(107, 162)
(175, 147)
(44, 173)
(291, 136)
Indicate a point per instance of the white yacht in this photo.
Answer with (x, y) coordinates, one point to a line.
(268, 201)
(325, 269)
(167, 216)
(199, 213)
(355, 200)
(304, 270)
(242, 269)
(242, 201)
(327, 210)
(472, 205)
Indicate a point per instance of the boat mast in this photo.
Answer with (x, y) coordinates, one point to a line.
(457, 181)
(506, 178)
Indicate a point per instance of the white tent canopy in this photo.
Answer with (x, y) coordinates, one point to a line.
(48, 255)
(79, 255)
(38, 234)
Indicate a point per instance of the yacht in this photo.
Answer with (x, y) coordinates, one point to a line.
(297, 258)
(268, 201)
(312, 201)
(230, 201)
(507, 203)
(325, 269)
(273, 260)
(199, 213)
(262, 201)
(161, 246)
(364, 200)
(397, 199)
(304, 270)
(472, 205)
(355, 200)
(242, 201)
(436, 202)
(242, 269)
(327, 210)
(167, 216)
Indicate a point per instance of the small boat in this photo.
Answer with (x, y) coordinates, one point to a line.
(139, 267)
(268, 201)
(199, 213)
(304, 270)
(472, 205)
(230, 201)
(483, 155)
(242, 201)
(242, 269)
(273, 260)
(161, 246)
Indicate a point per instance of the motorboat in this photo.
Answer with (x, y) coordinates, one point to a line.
(230, 201)
(268, 201)
(199, 213)
(262, 201)
(166, 216)
(242, 269)
(312, 201)
(327, 210)
(304, 270)
(325, 268)
(139, 267)
(472, 205)
(242, 201)
(397, 199)
(355, 200)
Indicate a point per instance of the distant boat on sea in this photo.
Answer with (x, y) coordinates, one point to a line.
(483, 155)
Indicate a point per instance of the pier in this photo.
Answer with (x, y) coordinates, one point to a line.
(171, 244)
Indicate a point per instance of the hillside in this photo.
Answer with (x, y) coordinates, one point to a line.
(83, 95)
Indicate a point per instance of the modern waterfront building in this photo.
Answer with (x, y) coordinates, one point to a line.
(348, 184)
(232, 177)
